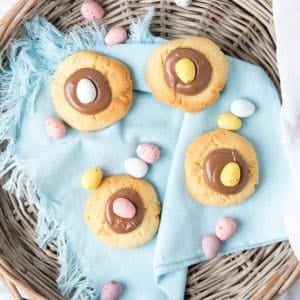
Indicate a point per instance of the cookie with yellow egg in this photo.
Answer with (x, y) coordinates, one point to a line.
(123, 212)
(221, 168)
(187, 73)
(91, 91)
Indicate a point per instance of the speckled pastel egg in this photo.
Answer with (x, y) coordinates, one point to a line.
(111, 291)
(124, 208)
(242, 108)
(86, 91)
(229, 121)
(183, 3)
(210, 246)
(116, 35)
(225, 228)
(149, 153)
(55, 128)
(91, 10)
(91, 179)
(136, 167)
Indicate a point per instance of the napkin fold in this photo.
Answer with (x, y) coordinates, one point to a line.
(48, 172)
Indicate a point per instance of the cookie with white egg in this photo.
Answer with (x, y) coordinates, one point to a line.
(123, 212)
(188, 73)
(221, 168)
(91, 91)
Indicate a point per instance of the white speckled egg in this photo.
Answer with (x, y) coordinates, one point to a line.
(242, 108)
(149, 153)
(183, 3)
(225, 228)
(136, 167)
(116, 35)
(210, 246)
(86, 91)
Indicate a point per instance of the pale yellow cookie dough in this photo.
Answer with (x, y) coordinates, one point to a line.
(119, 80)
(194, 160)
(162, 91)
(95, 212)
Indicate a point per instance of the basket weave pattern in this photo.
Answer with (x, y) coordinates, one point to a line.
(243, 29)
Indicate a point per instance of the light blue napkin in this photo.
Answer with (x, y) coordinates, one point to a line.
(158, 269)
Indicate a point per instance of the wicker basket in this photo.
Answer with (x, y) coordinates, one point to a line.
(244, 29)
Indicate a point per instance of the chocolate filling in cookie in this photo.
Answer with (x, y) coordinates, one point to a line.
(214, 165)
(103, 92)
(123, 225)
(202, 71)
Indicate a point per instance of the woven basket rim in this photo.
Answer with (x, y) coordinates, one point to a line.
(257, 14)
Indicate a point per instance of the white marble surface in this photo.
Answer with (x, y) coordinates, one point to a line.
(292, 294)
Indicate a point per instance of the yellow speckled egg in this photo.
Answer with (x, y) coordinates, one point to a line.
(91, 179)
(185, 70)
(231, 174)
(229, 121)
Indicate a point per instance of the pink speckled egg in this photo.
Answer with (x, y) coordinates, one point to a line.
(149, 153)
(124, 208)
(225, 228)
(116, 35)
(55, 128)
(91, 10)
(111, 291)
(210, 246)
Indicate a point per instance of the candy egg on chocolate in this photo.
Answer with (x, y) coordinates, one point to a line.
(136, 167)
(91, 10)
(111, 291)
(86, 91)
(124, 208)
(210, 246)
(91, 179)
(116, 35)
(149, 153)
(225, 228)
(242, 108)
(55, 128)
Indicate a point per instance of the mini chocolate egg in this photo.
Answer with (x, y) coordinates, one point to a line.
(185, 70)
(229, 121)
(136, 167)
(91, 179)
(210, 246)
(183, 3)
(116, 35)
(91, 10)
(111, 291)
(55, 128)
(86, 91)
(225, 228)
(242, 108)
(149, 153)
(124, 208)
